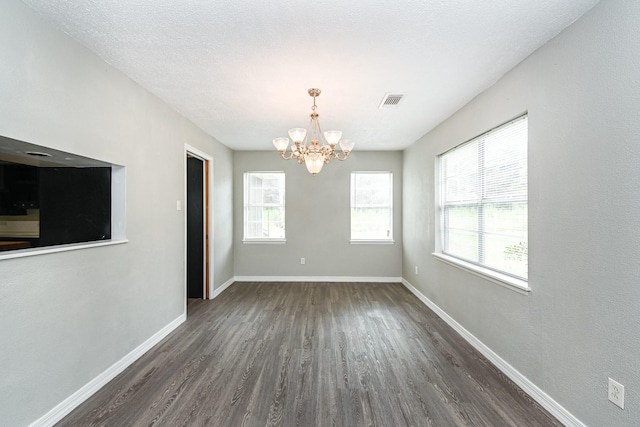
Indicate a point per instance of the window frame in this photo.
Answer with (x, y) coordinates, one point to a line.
(246, 206)
(511, 281)
(389, 239)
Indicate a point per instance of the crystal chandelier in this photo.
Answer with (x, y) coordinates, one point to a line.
(310, 146)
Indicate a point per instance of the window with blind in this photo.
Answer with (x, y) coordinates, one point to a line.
(484, 200)
(371, 206)
(264, 206)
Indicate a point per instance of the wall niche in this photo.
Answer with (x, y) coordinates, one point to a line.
(50, 197)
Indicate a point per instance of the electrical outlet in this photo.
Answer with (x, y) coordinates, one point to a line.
(616, 393)
(178, 205)
(416, 270)
(302, 261)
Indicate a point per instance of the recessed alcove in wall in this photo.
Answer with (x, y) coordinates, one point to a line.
(50, 197)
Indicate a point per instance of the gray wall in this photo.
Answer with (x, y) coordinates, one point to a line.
(67, 317)
(317, 220)
(581, 322)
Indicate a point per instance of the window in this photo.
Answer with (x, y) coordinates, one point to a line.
(264, 206)
(484, 200)
(371, 206)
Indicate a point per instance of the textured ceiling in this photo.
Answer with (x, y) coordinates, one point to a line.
(240, 69)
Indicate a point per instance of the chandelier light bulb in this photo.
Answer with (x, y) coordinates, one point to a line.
(281, 143)
(297, 134)
(333, 136)
(347, 145)
(314, 162)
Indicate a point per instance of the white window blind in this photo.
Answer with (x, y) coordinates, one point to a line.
(484, 200)
(371, 206)
(264, 206)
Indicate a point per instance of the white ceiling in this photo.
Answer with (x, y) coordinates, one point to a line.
(240, 69)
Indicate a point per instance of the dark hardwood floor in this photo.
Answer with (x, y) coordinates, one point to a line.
(311, 354)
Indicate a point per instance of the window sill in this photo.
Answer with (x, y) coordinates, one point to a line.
(371, 242)
(264, 241)
(517, 285)
(21, 253)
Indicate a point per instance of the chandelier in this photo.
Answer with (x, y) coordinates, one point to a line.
(310, 146)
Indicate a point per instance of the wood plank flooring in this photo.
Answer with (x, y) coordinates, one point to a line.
(311, 354)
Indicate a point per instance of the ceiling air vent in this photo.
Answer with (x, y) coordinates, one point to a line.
(391, 100)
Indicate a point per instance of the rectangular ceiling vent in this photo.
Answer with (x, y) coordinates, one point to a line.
(391, 100)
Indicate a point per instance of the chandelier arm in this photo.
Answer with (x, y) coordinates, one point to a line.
(307, 137)
(321, 137)
(303, 150)
(342, 159)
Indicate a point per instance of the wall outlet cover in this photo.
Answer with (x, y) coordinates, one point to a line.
(616, 393)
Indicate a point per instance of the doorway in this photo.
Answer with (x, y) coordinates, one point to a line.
(198, 249)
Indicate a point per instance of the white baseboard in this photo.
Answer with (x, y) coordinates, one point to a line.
(536, 393)
(225, 285)
(73, 401)
(317, 279)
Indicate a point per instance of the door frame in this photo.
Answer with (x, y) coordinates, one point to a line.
(208, 219)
